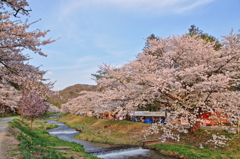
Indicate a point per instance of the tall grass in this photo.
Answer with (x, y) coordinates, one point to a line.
(106, 131)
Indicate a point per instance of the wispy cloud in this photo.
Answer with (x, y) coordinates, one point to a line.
(86, 59)
(77, 63)
(160, 6)
(69, 78)
(109, 45)
(65, 67)
(167, 6)
(192, 6)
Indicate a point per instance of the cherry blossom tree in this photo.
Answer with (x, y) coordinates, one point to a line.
(9, 99)
(9, 96)
(32, 106)
(17, 6)
(53, 109)
(15, 39)
(187, 75)
(87, 101)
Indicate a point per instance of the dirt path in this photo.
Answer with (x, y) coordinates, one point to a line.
(3, 137)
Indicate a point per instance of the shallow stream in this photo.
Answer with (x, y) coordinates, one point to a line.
(105, 151)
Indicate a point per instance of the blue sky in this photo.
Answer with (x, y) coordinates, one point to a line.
(93, 32)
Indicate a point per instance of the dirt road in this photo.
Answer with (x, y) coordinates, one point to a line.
(3, 137)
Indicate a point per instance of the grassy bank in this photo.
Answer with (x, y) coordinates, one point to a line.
(106, 131)
(127, 132)
(38, 144)
(189, 146)
(190, 152)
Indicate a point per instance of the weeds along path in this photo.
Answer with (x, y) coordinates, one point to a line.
(3, 131)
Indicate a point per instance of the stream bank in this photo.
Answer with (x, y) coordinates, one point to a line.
(105, 151)
(38, 144)
(127, 132)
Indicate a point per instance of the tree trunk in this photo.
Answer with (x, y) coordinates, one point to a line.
(195, 127)
(23, 119)
(31, 124)
(238, 126)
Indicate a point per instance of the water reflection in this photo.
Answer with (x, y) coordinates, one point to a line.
(134, 154)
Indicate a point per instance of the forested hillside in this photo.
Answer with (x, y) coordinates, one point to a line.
(70, 93)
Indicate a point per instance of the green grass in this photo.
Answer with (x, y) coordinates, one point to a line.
(188, 147)
(8, 115)
(49, 114)
(38, 144)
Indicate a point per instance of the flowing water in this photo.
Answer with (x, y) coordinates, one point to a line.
(105, 151)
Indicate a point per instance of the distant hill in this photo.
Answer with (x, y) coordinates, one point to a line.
(70, 93)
